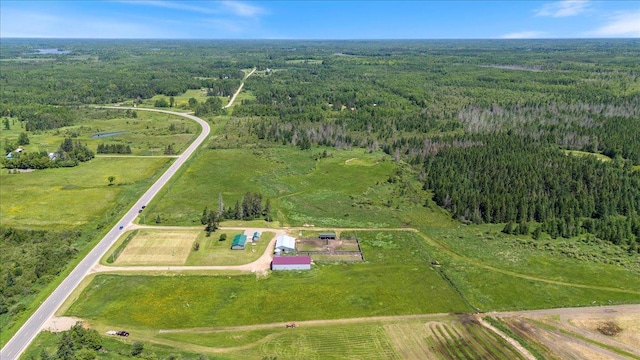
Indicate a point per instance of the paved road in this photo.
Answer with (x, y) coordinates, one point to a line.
(30, 329)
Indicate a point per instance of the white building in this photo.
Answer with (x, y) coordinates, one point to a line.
(285, 243)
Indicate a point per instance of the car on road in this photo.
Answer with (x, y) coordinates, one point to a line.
(121, 227)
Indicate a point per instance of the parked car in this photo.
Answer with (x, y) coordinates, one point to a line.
(122, 333)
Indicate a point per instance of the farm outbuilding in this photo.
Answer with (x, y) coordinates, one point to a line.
(285, 243)
(327, 236)
(239, 242)
(291, 263)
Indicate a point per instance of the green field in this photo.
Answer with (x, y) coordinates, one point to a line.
(498, 271)
(181, 101)
(211, 252)
(113, 348)
(215, 252)
(34, 198)
(349, 189)
(148, 134)
(601, 157)
(396, 280)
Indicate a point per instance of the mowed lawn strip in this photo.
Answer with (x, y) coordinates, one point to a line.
(382, 339)
(400, 283)
(60, 198)
(151, 247)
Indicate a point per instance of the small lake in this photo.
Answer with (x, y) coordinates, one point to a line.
(104, 135)
(51, 51)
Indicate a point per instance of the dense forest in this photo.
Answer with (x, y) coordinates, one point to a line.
(48, 253)
(543, 135)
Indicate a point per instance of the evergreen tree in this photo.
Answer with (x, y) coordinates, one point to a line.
(23, 139)
(66, 349)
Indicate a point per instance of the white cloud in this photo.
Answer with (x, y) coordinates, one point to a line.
(175, 5)
(242, 9)
(236, 8)
(621, 24)
(563, 8)
(30, 24)
(524, 35)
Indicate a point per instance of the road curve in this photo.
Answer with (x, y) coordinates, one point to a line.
(32, 326)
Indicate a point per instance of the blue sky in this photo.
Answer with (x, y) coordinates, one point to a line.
(175, 19)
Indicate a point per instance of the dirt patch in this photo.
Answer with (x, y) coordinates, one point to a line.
(58, 324)
(327, 245)
(158, 248)
(582, 333)
(629, 325)
(609, 328)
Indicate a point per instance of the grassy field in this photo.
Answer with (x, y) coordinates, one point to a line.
(437, 337)
(601, 157)
(114, 349)
(33, 199)
(183, 99)
(175, 247)
(148, 134)
(497, 271)
(395, 281)
(215, 252)
(349, 189)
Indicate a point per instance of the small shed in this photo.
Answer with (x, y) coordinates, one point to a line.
(256, 236)
(327, 236)
(239, 242)
(285, 243)
(291, 263)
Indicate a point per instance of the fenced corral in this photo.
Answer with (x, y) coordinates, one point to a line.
(330, 250)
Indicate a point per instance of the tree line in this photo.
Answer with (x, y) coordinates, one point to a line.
(70, 153)
(113, 149)
(250, 207)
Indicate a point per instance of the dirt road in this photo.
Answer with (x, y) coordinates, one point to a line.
(233, 98)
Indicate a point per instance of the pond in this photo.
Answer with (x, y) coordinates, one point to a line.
(51, 51)
(103, 135)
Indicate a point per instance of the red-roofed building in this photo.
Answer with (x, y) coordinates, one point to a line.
(291, 263)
